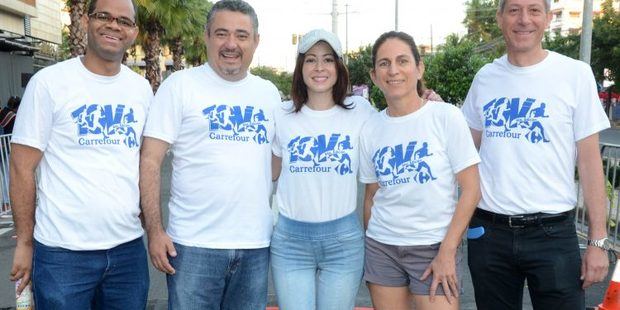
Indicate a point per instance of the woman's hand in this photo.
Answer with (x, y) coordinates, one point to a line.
(443, 268)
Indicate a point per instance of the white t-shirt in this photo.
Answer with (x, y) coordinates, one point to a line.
(221, 134)
(415, 159)
(320, 160)
(89, 128)
(530, 119)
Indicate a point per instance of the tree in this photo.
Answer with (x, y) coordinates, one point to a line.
(359, 65)
(167, 21)
(451, 71)
(193, 13)
(282, 80)
(565, 45)
(480, 21)
(77, 34)
(606, 44)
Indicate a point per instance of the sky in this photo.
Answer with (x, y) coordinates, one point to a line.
(367, 19)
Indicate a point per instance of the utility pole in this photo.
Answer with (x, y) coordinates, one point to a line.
(396, 15)
(431, 39)
(346, 33)
(585, 47)
(335, 17)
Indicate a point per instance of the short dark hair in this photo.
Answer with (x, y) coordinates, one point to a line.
(299, 89)
(233, 6)
(92, 5)
(409, 41)
(13, 102)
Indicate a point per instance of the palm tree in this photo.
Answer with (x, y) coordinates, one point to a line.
(194, 17)
(77, 34)
(168, 21)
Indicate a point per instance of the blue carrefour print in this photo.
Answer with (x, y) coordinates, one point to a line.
(232, 123)
(106, 125)
(512, 119)
(319, 154)
(398, 165)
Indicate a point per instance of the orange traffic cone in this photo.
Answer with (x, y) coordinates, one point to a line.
(612, 296)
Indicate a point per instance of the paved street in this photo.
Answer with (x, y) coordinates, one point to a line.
(158, 293)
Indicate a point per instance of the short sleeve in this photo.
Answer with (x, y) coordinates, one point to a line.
(460, 147)
(471, 110)
(34, 120)
(166, 112)
(366, 168)
(589, 116)
(275, 145)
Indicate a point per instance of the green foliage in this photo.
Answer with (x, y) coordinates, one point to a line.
(565, 45)
(451, 71)
(480, 21)
(282, 80)
(359, 65)
(377, 99)
(606, 43)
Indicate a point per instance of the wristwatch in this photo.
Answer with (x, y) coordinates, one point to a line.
(600, 243)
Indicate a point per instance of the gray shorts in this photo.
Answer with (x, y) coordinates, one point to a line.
(397, 266)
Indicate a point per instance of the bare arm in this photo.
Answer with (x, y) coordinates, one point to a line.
(276, 167)
(369, 194)
(23, 164)
(443, 266)
(589, 164)
(477, 136)
(160, 245)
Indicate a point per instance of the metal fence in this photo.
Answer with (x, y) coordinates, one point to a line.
(5, 150)
(611, 168)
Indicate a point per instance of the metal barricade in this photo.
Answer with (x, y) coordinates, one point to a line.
(5, 207)
(611, 168)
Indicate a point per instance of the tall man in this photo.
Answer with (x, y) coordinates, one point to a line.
(533, 114)
(80, 124)
(218, 121)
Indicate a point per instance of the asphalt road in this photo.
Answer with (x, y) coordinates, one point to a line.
(158, 291)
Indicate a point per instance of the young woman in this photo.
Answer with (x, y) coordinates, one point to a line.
(413, 154)
(317, 248)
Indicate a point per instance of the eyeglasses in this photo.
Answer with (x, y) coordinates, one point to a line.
(108, 18)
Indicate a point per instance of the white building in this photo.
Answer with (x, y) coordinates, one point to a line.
(567, 15)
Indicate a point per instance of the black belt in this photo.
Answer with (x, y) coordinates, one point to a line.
(523, 220)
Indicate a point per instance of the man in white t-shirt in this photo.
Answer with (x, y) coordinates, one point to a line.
(534, 114)
(217, 119)
(80, 126)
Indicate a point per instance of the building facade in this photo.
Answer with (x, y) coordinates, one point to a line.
(24, 26)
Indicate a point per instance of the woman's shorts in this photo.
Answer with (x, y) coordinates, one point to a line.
(398, 266)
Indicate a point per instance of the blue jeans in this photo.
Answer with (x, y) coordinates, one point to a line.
(224, 279)
(317, 265)
(547, 255)
(117, 278)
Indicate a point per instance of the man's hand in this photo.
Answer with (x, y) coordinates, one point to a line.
(594, 266)
(160, 246)
(22, 265)
(431, 95)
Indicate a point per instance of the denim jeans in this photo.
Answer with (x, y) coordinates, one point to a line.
(317, 265)
(546, 255)
(117, 278)
(227, 279)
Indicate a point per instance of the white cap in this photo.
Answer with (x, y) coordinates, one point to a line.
(311, 38)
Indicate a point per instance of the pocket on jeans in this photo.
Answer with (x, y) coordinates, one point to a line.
(563, 230)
